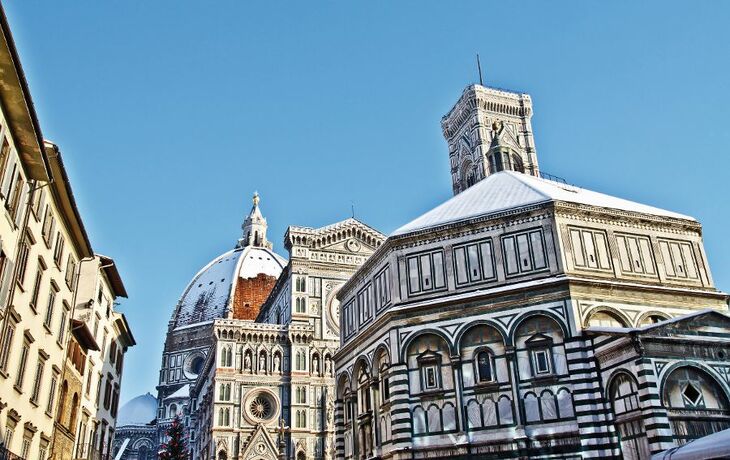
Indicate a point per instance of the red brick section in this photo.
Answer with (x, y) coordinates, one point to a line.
(250, 295)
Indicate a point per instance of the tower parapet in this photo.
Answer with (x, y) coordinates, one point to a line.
(489, 130)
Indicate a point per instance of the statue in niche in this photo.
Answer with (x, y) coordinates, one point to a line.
(262, 363)
(247, 361)
(315, 365)
(277, 363)
(328, 366)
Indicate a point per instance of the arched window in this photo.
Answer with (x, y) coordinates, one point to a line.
(540, 339)
(172, 411)
(697, 405)
(484, 367)
(74, 412)
(62, 402)
(429, 364)
(652, 319)
(604, 318)
(479, 346)
(142, 452)
(624, 398)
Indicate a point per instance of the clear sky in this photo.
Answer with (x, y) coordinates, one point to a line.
(170, 114)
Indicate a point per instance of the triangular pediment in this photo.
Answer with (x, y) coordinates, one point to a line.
(705, 323)
(260, 446)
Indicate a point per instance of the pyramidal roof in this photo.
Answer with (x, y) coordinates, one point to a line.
(508, 190)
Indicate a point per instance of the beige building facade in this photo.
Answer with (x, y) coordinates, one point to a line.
(43, 342)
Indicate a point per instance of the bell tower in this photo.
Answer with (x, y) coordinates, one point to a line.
(489, 130)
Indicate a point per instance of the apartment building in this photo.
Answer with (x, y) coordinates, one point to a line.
(51, 354)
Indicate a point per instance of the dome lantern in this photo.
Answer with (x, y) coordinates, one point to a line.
(254, 228)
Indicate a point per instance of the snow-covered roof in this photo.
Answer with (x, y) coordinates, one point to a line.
(508, 190)
(209, 293)
(181, 393)
(648, 327)
(716, 445)
(140, 410)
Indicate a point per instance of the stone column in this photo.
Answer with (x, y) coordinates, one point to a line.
(339, 429)
(656, 420)
(400, 412)
(597, 433)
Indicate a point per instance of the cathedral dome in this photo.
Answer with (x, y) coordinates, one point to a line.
(211, 292)
(138, 411)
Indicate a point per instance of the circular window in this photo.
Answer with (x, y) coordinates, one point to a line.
(193, 365)
(261, 406)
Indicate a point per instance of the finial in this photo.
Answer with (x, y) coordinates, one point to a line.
(256, 198)
(479, 66)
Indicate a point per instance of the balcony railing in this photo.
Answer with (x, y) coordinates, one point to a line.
(5, 454)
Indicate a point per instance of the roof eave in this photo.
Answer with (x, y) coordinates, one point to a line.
(18, 108)
(112, 274)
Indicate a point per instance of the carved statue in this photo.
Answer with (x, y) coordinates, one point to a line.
(277, 363)
(247, 361)
(262, 362)
(328, 366)
(330, 411)
(315, 365)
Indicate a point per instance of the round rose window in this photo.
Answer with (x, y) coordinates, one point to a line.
(261, 406)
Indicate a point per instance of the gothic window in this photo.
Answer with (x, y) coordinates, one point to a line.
(635, 254)
(301, 418)
(301, 395)
(430, 373)
(301, 305)
(301, 361)
(474, 262)
(524, 252)
(426, 272)
(226, 357)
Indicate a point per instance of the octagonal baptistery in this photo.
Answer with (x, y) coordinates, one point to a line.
(490, 326)
(233, 285)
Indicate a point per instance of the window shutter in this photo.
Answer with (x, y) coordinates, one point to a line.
(9, 172)
(21, 203)
(5, 282)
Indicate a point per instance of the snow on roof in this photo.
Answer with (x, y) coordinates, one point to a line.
(181, 393)
(208, 294)
(716, 445)
(507, 190)
(676, 319)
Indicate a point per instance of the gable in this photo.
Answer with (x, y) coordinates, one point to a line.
(706, 323)
(260, 446)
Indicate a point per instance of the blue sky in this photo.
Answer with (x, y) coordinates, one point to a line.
(170, 114)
